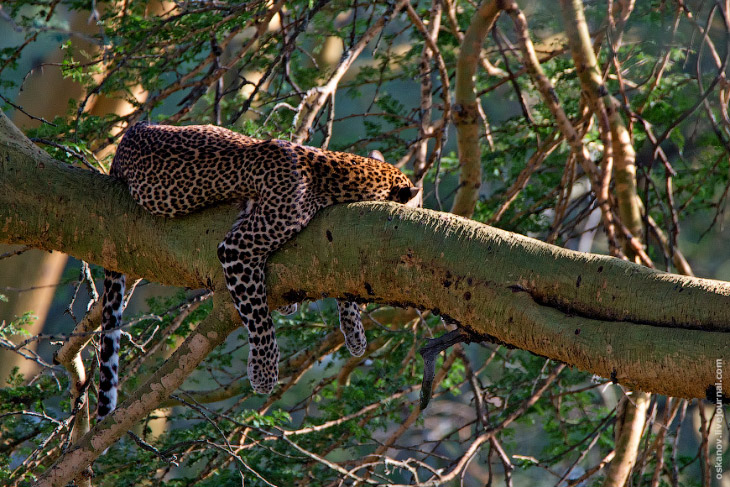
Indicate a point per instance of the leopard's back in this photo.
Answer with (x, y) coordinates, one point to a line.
(173, 171)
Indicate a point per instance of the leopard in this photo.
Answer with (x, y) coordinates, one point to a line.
(279, 186)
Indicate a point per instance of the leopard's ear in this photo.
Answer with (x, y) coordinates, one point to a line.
(411, 197)
(376, 154)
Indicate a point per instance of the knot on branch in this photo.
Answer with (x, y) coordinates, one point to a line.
(465, 114)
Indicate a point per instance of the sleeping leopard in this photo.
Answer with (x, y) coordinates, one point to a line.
(172, 171)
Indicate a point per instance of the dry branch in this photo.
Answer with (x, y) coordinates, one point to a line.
(315, 98)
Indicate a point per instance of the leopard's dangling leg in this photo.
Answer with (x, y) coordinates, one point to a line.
(111, 318)
(246, 282)
(273, 220)
(243, 254)
(351, 326)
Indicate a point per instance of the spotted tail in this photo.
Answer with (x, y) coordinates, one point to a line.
(112, 302)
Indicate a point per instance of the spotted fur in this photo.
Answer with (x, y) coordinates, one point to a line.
(173, 171)
(112, 302)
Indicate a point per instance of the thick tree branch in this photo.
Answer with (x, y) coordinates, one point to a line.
(466, 109)
(651, 330)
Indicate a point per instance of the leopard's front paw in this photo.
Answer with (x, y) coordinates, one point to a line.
(263, 368)
(351, 326)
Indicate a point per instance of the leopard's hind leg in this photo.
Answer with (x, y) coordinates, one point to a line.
(243, 255)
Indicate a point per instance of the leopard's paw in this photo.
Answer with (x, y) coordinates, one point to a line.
(356, 342)
(263, 368)
(351, 326)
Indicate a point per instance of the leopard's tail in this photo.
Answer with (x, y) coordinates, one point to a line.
(111, 318)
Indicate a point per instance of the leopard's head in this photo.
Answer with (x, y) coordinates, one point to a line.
(402, 190)
(408, 195)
